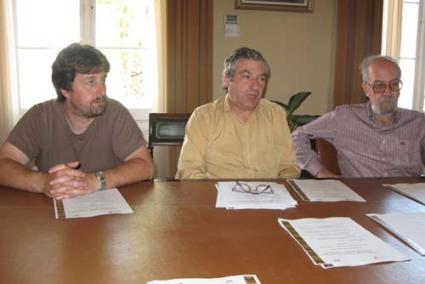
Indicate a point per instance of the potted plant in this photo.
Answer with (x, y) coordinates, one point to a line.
(295, 120)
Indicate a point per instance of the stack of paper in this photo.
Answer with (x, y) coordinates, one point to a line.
(239, 279)
(339, 241)
(98, 203)
(324, 190)
(416, 191)
(253, 195)
(409, 227)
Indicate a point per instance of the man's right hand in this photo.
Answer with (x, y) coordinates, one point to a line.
(325, 173)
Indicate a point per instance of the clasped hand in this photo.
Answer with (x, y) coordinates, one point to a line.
(66, 181)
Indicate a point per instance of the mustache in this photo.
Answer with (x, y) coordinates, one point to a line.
(100, 100)
(387, 99)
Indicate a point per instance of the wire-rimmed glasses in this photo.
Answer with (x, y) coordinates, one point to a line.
(246, 188)
(380, 87)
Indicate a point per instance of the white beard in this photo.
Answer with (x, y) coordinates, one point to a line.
(385, 107)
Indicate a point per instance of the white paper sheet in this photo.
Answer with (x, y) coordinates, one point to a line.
(416, 191)
(239, 279)
(409, 227)
(339, 241)
(277, 198)
(325, 190)
(99, 203)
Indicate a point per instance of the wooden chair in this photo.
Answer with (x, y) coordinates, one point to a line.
(166, 129)
(327, 155)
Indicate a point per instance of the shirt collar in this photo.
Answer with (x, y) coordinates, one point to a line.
(372, 117)
(226, 103)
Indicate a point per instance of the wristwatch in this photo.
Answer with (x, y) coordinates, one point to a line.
(101, 178)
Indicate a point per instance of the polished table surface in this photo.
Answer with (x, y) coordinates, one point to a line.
(176, 232)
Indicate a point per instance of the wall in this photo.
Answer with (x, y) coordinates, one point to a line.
(299, 47)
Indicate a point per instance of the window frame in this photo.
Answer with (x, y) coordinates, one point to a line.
(419, 86)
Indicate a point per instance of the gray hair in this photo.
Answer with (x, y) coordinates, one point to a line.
(370, 59)
(243, 53)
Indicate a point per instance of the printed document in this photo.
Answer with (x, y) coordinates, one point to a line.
(253, 195)
(324, 190)
(239, 279)
(416, 191)
(98, 203)
(409, 227)
(339, 241)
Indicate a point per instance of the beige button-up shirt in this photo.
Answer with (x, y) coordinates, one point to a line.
(218, 145)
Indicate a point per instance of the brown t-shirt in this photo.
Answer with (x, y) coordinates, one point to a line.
(44, 135)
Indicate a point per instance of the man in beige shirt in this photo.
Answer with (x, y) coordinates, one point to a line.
(240, 135)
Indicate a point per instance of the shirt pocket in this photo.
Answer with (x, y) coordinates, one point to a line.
(404, 152)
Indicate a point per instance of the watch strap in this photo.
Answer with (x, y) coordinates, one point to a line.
(101, 178)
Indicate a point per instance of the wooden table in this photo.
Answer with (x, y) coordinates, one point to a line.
(176, 231)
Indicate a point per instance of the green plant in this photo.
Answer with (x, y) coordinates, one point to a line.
(295, 120)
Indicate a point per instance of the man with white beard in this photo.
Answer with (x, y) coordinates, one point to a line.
(375, 139)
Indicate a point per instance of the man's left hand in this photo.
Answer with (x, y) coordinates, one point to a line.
(67, 181)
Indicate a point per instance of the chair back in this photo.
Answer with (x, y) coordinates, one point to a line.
(166, 129)
(327, 155)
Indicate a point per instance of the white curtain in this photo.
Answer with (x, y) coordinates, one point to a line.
(391, 27)
(161, 153)
(8, 86)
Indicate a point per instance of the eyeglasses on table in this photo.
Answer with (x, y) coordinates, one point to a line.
(246, 188)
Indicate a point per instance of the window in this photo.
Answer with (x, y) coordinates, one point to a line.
(400, 30)
(124, 30)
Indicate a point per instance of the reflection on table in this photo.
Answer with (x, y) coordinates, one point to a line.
(176, 232)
